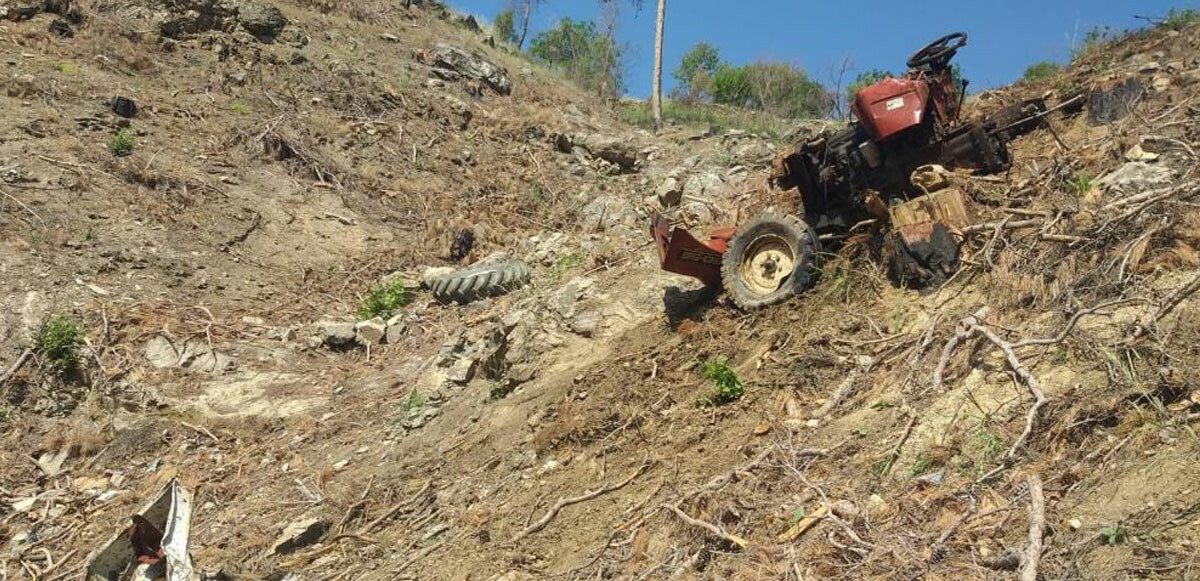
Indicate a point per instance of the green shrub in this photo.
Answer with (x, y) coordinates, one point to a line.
(1093, 39)
(728, 387)
(121, 143)
(384, 299)
(695, 72)
(1179, 19)
(731, 86)
(504, 27)
(240, 108)
(1041, 70)
(57, 341)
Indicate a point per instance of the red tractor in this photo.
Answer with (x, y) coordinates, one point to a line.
(852, 177)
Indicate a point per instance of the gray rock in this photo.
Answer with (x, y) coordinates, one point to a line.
(753, 153)
(703, 187)
(618, 151)
(605, 212)
(461, 371)
(371, 331)
(1136, 176)
(192, 355)
(396, 327)
(336, 333)
(299, 534)
(586, 323)
(264, 21)
(472, 66)
(670, 192)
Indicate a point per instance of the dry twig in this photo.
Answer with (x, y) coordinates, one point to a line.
(1037, 522)
(565, 502)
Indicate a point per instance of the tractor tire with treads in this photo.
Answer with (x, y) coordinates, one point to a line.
(481, 281)
(770, 259)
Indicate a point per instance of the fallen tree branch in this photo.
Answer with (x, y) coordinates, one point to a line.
(1001, 225)
(963, 331)
(844, 390)
(712, 528)
(565, 502)
(16, 366)
(1168, 305)
(1062, 335)
(1030, 382)
(395, 509)
(1037, 522)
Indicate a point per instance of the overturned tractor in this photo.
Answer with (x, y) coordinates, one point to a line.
(860, 177)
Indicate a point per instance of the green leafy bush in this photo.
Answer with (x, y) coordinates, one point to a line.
(1041, 70)
(384, 299)
(728, 387)
(121, 143)
(504, 27)
(585, 56)
(695, 72)
(57, 341)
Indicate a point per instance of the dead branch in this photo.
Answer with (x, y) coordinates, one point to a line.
(844, 390)
(939, 546)
(1034, 388)
(565, 502)
(16, 366)
(712, 528)
(1062, 335)
(395, 509)
(1003, 225)
(1037, 522)
(1168, 305)
(895, 453)
(960, 334)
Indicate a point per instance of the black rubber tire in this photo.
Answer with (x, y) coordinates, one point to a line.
(804, 246)
(481, 281)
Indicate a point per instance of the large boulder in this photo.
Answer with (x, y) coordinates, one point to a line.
(616, 150)
(264, 21)
(472, 66)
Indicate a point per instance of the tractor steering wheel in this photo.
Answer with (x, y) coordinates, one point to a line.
(938, 51)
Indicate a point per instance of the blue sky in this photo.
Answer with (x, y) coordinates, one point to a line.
(1004, 35)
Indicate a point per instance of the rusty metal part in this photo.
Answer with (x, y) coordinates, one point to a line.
(682, 253)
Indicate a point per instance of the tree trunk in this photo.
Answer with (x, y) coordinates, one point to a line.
(524, 24)
(656, 90)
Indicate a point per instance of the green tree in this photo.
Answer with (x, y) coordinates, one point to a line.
(504, 27)
(731, 86)
(590, 59)
(1041, 70)
(695, 72)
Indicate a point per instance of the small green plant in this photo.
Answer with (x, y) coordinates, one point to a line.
(537, 194)
(413, 401)
(121, 143)
(500, 389)
(921, 466)
(1082, 183)
(240, 108)
(384, 299)
(565, 264)
(1041, 70)
(728, 387)
(1113, 535)
(7, 413)
(1093, 39)
(991, 444)
(861, 431)
(68, 69)
(57, 341)
(1179, 19)
(1061, 355)
(882, 405)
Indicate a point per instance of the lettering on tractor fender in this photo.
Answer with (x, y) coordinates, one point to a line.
(704, 257)
(894, 104)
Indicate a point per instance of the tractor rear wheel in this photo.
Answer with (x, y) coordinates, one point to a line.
(768, 260)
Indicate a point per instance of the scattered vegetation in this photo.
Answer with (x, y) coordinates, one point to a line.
(1178, 19)
(565, 264)
(68, 69)
(413, 401)
(504, 27)
(384, 299)
(500, 389)
(778, 88)
(121, 143)
(921, 466)
(1093, 39)
(1041, 70)
(582, 54)
(240, 108)
(57, 342)
(728, 388)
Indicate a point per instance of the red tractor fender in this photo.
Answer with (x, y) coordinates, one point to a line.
(681, 253)
(891, 106)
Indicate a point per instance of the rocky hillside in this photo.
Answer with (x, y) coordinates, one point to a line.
(240, 207)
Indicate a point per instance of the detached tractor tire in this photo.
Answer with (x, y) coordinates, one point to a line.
(770, 259)
(481, 281)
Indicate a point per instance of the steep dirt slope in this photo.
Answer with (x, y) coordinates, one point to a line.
(555, 431)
